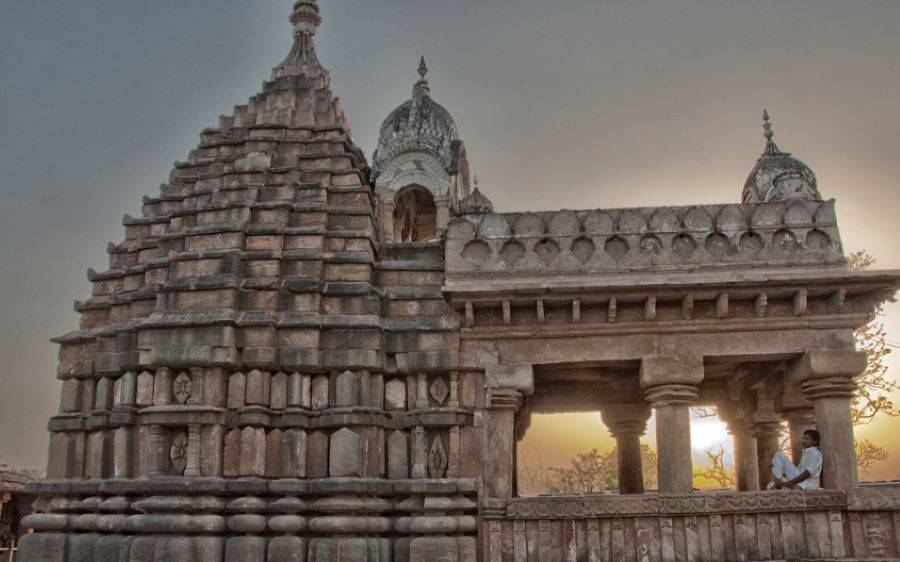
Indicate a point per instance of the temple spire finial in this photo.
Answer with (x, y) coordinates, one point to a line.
(305, 17)
(422, 88)
(771, 147)
(302, 58)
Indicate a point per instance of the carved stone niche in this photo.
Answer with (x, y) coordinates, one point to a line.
(438, 454)
(439, 391)
(178, 450)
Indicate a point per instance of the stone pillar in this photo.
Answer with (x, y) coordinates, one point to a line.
(670, 385)
(442, 205)
(387, 220)
(798, 412)
(745, 459)
(799, 421)
(745, 456)
(626, 423)
(159, 443)
(766, 427)
(826, 378)
(768, 437)
(193, 451)
(505, 386)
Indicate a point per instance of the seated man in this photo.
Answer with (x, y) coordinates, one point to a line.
(807, 474)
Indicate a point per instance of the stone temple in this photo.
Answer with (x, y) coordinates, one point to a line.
(298, 354)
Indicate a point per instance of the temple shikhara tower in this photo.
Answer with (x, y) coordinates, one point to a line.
(301, 355)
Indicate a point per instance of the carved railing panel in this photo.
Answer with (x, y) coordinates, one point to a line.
(784, 525)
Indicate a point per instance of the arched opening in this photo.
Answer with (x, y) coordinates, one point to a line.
(415, 215)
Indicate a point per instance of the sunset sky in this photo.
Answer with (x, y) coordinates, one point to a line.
(576, 104)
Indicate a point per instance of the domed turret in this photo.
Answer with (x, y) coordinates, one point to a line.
(419, 167)
(778, 176)
(475, 203)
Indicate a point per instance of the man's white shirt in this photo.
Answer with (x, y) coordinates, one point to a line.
(811, 461)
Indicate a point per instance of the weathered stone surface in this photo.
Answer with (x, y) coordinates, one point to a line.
(237, 390)
(44, 547)
(144, 389)
(345, 456)
(395, 394)
(125, 391)
(253, 452)
(258, 388)
(434, 549)
(299, 391)
(317, 455)
(279, 392)
(319, 393)
(398, 455)
(286, 549)
(346, 392)
(338, 550)
(294, 454)
(231, 466)
(245, 549)
(274, 458)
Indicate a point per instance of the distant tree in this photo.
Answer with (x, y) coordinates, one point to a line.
(872, 398)
(717, 470)
(867, 454)
(587, 472)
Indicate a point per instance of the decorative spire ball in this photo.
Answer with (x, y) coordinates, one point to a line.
(305, 17)
(423, 69)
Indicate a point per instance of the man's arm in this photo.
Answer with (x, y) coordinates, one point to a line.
(791, 483)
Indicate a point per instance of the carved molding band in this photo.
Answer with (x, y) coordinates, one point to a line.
(618, 506)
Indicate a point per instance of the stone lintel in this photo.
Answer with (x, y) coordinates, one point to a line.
(826, 364)
(516, 377)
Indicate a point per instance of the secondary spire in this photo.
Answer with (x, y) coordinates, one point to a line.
(771, 147)
(422, 88)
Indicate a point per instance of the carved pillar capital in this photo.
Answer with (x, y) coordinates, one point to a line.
(826, 365)
(626, 423)
(671, 380)
(671, 395)
(830, 387)
(625, 420)
(506, 385)
(503, 399)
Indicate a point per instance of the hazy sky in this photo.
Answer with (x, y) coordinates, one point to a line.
(575, 104)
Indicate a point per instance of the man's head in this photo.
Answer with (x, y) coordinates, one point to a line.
(810, 438)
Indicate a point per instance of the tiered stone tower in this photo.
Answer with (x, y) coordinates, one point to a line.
(272, 371)
(245, 370)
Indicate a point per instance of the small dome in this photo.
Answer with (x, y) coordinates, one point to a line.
(419, 124)
(778, 176)
(476, 203)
